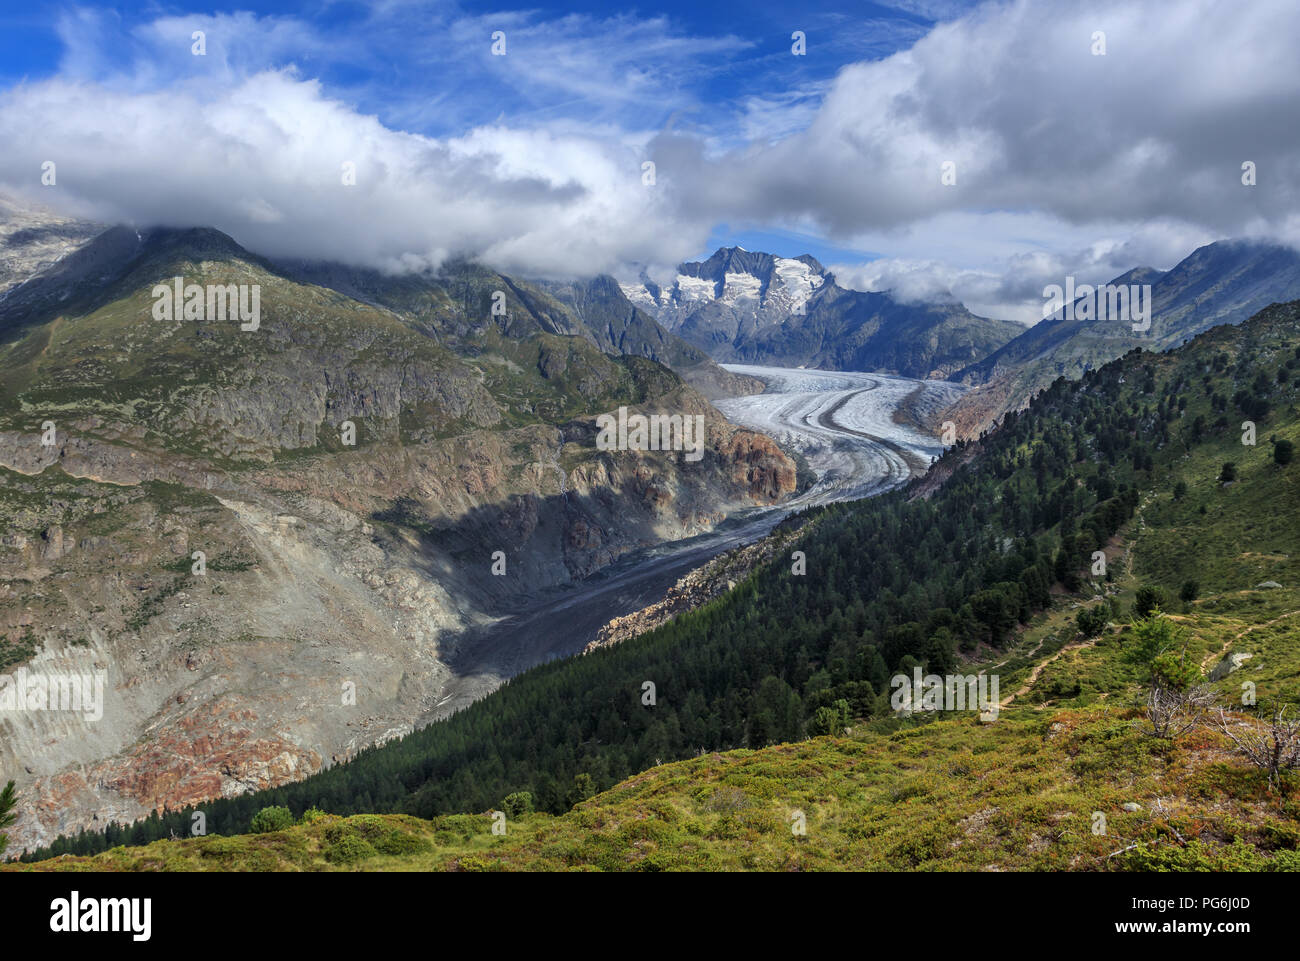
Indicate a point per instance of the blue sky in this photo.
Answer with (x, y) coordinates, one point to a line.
(392, 59)
(1067, 161)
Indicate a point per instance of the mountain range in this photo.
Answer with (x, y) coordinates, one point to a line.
(1044, 555)
(132, 446)
(746, 307)
(755, 308)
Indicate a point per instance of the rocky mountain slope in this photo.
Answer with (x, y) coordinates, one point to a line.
(594, 309)
(755, 308)
(33, 239)
(697, 587)
(270, 542)
(1220, 283)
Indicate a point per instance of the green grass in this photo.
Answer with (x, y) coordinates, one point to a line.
(1022, 793)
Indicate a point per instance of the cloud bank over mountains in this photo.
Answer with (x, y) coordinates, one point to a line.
(1064, 161)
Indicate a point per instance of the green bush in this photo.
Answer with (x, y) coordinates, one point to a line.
(517, 805)
(1091, 621)
(398, 842)
(830, 719)
(271, 819)
(1147, 600)
(583, 787)
(1159, 645)
(348, 849)
(1174, 672)
(368, 826)
(1059, 682)
(7, 817)
(1280, 835)
(219, 847)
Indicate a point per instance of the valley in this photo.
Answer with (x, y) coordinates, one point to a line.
(770, 711)
(363, 567)
(842, 422)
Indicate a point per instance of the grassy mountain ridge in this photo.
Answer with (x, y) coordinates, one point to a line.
(952, 795)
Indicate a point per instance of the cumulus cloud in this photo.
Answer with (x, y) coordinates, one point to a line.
(1065, 162)
(1013, 96)
(264, 161)
(249, 139)
(1010, 284)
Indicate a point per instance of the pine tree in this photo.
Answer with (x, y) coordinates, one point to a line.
(7, 801)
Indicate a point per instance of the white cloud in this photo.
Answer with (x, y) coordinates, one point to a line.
(1065, 162)
(262, 160)
(998, 276)
(1156, 128)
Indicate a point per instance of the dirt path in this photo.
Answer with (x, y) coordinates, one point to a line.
(1037, 648)
(1129, 543)
(1223, 652)
(1038, 669)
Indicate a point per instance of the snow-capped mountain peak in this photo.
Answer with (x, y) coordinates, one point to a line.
(744, 306)
(735, 277)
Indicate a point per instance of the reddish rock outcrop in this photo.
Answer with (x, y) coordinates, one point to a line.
(758, 466)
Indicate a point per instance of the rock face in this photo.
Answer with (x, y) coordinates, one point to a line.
(32, 241)
(184, 519)
(594, 309)
(697, 587)
(757, 466)
(753, 308)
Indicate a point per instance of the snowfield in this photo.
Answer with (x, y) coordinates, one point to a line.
(842, 422)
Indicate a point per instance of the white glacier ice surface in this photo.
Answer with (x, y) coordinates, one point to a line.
(842, 422)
